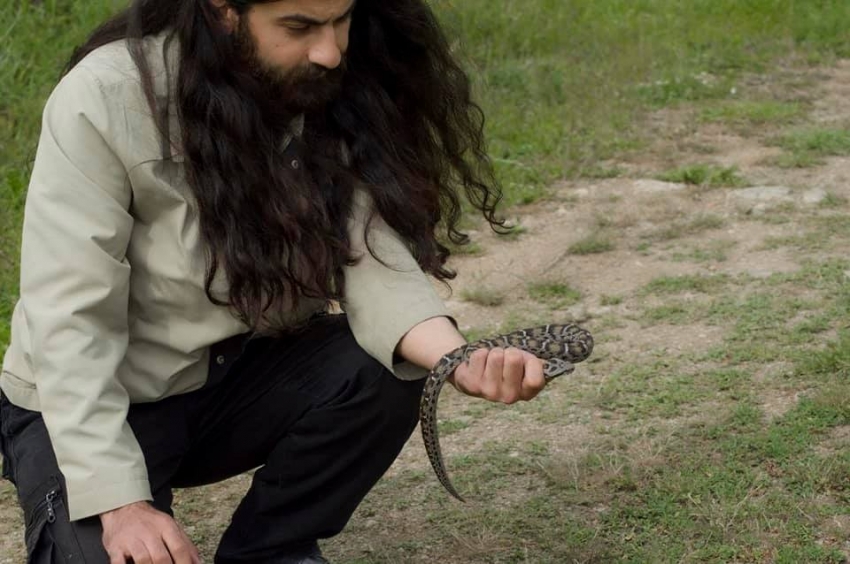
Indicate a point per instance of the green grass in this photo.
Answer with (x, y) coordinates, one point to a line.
(607, 300)
(822, 233)
(678, 228)
(807, 147)
(566, 80)
(704, 175)
(592, 244)
(713, 251)
(554, 294)
(483, 296)
(667, 285)
(730, 486)
(747, 113)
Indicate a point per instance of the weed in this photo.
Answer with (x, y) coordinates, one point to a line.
(678, 284)
(714, 251)
(753, 112)
(515, 232)
(606, 300)
(554, 293)
(469, 249)
(832, 201)
(805, 148)
(593, 244)
(704, 175)
(690, 226)
(451, 426)
(483, 296)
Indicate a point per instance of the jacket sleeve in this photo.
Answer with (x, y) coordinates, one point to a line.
(384, 302)
(74, 293)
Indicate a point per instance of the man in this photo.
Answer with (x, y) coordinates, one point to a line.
(211, 175)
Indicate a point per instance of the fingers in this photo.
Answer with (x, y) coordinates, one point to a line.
(533, 381)
(501, 375)
(491, 380)
(179, 546)
(140, 534)
(139, 553)
(468, 376)
(504, 375)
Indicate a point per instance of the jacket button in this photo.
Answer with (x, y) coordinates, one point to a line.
(295, 164)
(220, 359)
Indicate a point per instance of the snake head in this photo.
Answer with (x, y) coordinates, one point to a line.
(555, 367)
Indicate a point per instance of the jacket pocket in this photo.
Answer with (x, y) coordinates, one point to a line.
(49, 535)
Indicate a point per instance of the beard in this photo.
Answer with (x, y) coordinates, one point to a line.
(306, 89)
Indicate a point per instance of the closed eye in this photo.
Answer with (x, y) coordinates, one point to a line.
(298, 28)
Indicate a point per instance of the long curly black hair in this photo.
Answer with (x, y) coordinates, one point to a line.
(413, 133)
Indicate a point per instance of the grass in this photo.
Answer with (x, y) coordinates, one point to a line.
(821, 233)
(607, 300)
(657, 52)
(554, 294)
(832, 201)
(683, 227)
(808, 147)
(647, 454)
(592, 244)
(666, 285)
(750, 113)
(704, 175)
(483, 296)
(713, 251)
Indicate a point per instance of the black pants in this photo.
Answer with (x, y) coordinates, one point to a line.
(320, 418)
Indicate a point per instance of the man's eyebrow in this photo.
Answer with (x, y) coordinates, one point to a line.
(307, 20)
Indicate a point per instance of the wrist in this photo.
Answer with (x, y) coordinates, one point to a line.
(426, 343)
(108, 516)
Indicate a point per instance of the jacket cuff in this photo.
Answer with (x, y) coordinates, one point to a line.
(105, 498)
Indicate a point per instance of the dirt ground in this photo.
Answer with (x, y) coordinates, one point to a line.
(630, 209)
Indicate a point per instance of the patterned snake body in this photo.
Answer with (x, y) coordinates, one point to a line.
(559, 346)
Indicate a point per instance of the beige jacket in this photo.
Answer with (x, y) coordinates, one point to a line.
(112, 308)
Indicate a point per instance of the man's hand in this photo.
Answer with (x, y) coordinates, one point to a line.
(143, 535)
(502, 375)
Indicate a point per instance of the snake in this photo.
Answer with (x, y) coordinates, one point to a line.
(559, 346)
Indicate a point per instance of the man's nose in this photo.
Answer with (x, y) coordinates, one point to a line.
(326, 52)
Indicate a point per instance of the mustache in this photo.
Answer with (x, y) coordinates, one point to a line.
(316, 74)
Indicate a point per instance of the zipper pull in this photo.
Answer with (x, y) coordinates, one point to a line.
(51, 513)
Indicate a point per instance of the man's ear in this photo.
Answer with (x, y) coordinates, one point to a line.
(226, 14)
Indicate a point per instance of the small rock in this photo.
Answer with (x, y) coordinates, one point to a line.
(578, 313)
(760, 274)
(581, 192)
(759, 209)
(814, 196)
(600, 311)
(762, 194)
(759, 199)
(647, 186)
